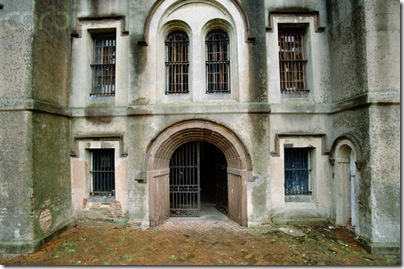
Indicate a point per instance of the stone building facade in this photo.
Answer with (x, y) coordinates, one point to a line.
(132, 112)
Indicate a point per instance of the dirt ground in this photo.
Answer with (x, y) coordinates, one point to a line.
(204, 243)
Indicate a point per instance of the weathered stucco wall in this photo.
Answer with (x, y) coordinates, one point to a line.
(353, 74)
(384, 165)
(364, 45)
(51, 52)
(383, 46)
(356, 125)
(51, 175)
(316, 126)
(257, 51)
(16, 186)
(347, 30)
(35, 63)
(16, 31)
(51, 129)
(143, 129)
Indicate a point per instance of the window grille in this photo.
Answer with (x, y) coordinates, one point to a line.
(177, 63)
(297, 170)
(103, 66)
(102, 172)
(292, 60)
(217, 62)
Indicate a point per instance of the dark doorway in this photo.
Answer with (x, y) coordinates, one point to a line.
(214, 177)
(198, 179)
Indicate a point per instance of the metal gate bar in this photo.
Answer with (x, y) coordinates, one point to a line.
(103, 172)
(184, 181)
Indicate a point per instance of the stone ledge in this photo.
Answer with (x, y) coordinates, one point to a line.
(115, 222)
(384, 248)
(30, 246)
(299, 221)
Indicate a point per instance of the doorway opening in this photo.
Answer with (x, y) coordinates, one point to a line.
(345, 173)
(198, 180)
(350, 201)
(156, 165)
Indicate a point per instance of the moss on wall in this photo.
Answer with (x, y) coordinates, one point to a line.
(347, 32)
(255, 12)
(51, 52)
(15, 178)
(51, 132)
(51, 172)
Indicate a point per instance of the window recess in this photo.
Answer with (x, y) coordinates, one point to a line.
(297, 171)
(103, 66)
(292, 60)
(102, 172)
(177, 63)
(217, 62)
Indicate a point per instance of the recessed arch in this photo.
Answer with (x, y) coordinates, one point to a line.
(217, 24)
(346, 157)
(197, 130)
(352, 142)
(176, 25)
(160, 150)
(160, 6)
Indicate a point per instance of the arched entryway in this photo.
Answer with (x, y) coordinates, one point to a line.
(198, 180)
(347, 159)
(214, 138)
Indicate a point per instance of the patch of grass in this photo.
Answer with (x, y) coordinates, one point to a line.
(127, 257)
(292, 246)
(223, 261)
(68, 245)
(173, 258)
(95, 259)
(393, 260)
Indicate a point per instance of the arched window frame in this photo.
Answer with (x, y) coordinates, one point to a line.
(177, 62)
(217, 59)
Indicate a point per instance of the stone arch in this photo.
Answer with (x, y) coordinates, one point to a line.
(239, 168)
(351, 141)
(176, 25)
(160, 4)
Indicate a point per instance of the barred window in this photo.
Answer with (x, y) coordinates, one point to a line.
(103, 66)
(102, 172)
(217, 62)
(292, 61)
(177, 63)
(297, 171)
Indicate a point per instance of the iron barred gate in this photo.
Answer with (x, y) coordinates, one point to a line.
(185, 181)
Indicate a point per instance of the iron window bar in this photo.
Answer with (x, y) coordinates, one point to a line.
(297, 171)
(103, 66)
(177, 63)
(217, 62)
(102, 172)
(292, 61)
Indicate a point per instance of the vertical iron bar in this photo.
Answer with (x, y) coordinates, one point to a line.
(198, 171)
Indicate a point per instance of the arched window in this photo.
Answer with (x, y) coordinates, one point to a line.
(217, 62)
(177, 63)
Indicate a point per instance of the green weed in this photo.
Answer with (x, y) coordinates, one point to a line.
(173, 258)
